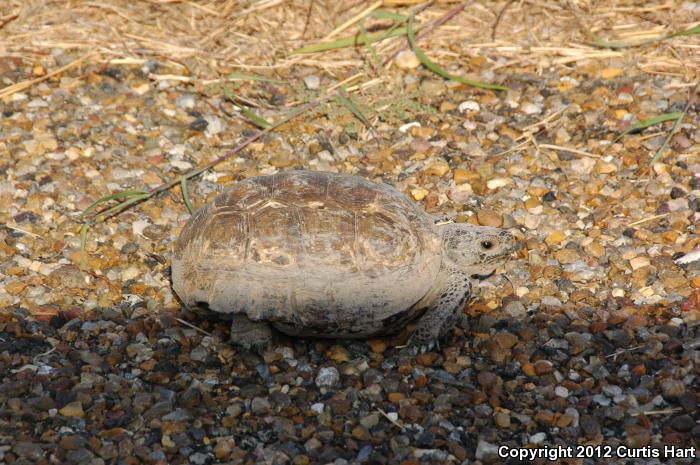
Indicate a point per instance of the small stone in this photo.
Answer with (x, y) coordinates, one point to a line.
(406, 127)
(214, 126)
(28, 450)
(550, 301)
(529, 369)
(682, 423)
(538, 438)
(427, 359)
(516, 309)
(566, 256)
(532, 108)
(260, 405)
(469, 105)
(486, 450)
(186, 101)
(672, 387)
(603, 167)
(502, 419)
(420, 193)
(141, 89)
(361, 433)
(317, 407)
(589, 426)
(543, 367)
(338, 353)
(561, 391)
(495, 183)
(327, 377)
(377, 346)
(312, 444)
(312, 82)
(583, 165)
(506, 340)
(639, 262)
(489, 218)
(73, 409)
(447, 106)
(407, 60)
(461, 176)
(611, 73)
(370, 420)
(555, 237)
(438, 168)
(199, 458)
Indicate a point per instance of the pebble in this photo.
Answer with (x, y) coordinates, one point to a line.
(406, 59)
(312, 82)
(28, 450)
(419, 194)
(469, 105)
(495, 183)
(485, 450)
(327, 377)
(531, 108)
(672, 387)
(489, 218)
(73, 409)
(260, 405)
(186, 101)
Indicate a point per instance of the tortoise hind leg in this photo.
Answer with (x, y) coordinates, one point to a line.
(249, 334)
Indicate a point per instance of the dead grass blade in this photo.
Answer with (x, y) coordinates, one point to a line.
(345, 101)
(602, 43)
(186, 194)
(20, 86)
(638, 127)
(432, 66)
(676, 124)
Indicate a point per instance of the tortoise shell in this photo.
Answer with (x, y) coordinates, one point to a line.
(310, 252)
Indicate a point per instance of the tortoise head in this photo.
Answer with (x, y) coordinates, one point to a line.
(476, 250)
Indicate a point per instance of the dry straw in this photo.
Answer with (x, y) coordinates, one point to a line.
(212, 37)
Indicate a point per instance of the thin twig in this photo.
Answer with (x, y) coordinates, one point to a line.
(391, 419)
(498, 18)
(620, 352)
(20, 86)
(20, 230)
(651, 218)
(668, 411)
(570, 150)
(429, 28)
(6, 20)
(308, 18)
(353, 20)
(190, 325)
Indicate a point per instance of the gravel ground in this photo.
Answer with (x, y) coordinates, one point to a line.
(593, 340)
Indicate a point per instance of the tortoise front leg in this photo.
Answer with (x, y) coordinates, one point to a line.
(445, 303)
(249, 334)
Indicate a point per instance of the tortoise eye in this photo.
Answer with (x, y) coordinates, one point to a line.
(487, 245)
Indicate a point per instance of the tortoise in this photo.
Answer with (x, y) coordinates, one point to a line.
(330, 255)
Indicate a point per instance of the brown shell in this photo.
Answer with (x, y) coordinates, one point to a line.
(314, 250)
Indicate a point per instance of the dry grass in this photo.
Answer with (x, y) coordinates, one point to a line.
(209, 38)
